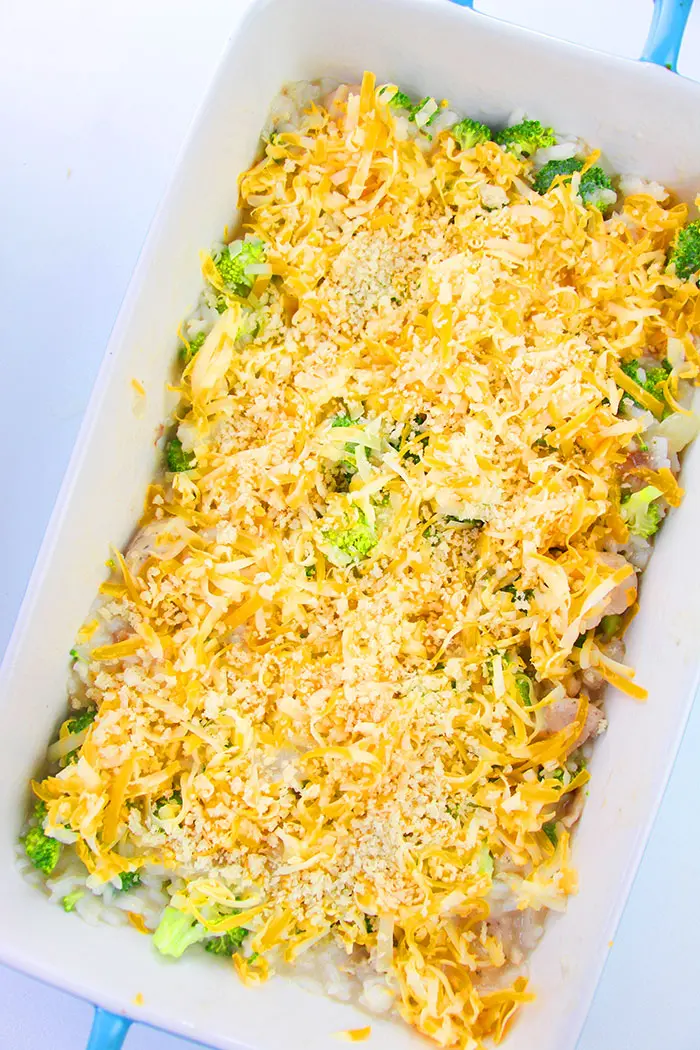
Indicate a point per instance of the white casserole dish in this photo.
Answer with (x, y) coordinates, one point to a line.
(640, 115)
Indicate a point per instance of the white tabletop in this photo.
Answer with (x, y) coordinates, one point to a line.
(95, 99)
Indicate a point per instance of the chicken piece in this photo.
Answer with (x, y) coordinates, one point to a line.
(619, 598)
(518, 932)
(561, 713)
(161, 539)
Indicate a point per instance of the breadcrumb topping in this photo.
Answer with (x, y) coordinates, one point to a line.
(332, 669)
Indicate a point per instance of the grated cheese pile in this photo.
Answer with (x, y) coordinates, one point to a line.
(346, 670)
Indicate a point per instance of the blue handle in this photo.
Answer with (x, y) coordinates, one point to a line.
(108, 1031)
(665, 35)
(666, 32)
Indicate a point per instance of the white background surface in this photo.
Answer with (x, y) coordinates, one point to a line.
(95, 100)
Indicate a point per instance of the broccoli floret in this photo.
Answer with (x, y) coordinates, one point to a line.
(592, 181)
(632, 369)
(250, 326)
(685, 253)
(69, 902)
(550, 830)
(469, 523)
(370, 923)
(548, 173)
(400, 101)
(41, 850)
(655, 379)
(129, 881)
(227, 943)
(521, 595)
(424, 112)
(187, 351)
(74, 726)
(526, 137)
(470, 133)
(412, 434)
(176, 457)
(610, 626)
(173, 799)
(525, 689)
(485, 861)
(340, 476)
(234, 265)
(640, 511)
(176, 931)
(651, 379)
(81, 721)
(355, 542)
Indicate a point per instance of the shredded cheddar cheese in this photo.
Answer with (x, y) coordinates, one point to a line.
(345, 670)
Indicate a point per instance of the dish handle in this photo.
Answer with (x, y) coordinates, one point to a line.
(665, 33)
(108, 1031)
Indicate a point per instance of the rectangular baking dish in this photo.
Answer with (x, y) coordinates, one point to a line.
(639, 114)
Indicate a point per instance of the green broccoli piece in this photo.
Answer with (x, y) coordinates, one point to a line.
(176, 457)
(610, 626)
(651, 379)
(641, 513)
(129, 880)
(176, 931)
(174, 798)
(521, 596)
(69, 902)
(550, 830)
(426, 103)
(250, 326)
(411, 433)
(234, 265)
(592, 181)
(400, 101)
(470, 133)
(226, 943)
(485, 861)
(187, 352)
(343, 421)
(370, 923)
(81, 721)
(470, 523)
(525, 138)
(525, 689)
(340, 476)
(685, 253)
(355, 542)
(655, 379)
(41, 850)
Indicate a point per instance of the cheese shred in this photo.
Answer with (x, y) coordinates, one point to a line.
(347, 673)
